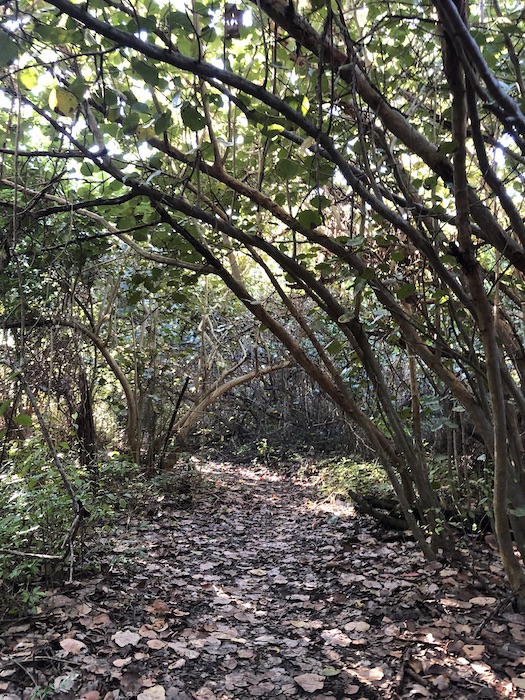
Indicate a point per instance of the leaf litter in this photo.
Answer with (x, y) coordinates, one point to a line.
(266, 589)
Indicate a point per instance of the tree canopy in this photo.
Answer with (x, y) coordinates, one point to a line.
(349, 174)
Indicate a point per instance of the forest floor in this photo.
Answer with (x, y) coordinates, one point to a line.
(266, 589)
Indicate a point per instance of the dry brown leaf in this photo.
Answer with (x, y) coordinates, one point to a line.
(101, 620)
(474, 651)
(158, 606)
(204, 694)
(310, 682)
(120, 663)
(182, 650)
(418, 690)
(336, 638)
(454, 603)
(245, 653)
(357, 626)
(441, 682)
(156, 644)
(124, 637)
(482, 600)
(72, 646)
(157, 692)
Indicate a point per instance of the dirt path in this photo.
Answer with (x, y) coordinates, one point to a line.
(264, 590)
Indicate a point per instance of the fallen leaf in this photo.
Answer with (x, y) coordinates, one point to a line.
(72, 646)
(159, 607)
(482, 600)
(120, 663)
(204, 694)
(370, 674)
(124, 637)
(518, 682)
(419, 690)
(156, 644)
(157, 692)
(330, 671)
(64, 683)
(336, 638)
(147, 632)
(351, 689)
(357, 626)
(441, 682)
(474, 651)
(310, 682)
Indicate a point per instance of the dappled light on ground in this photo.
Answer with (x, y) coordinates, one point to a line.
(266, 589)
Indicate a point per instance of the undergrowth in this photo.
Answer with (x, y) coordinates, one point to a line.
(339, 476)
(36, 512)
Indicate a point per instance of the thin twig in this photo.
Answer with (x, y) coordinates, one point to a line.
(32, 555)
(501, 606)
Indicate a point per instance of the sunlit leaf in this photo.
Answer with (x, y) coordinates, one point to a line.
(28, 78)
(62, 101)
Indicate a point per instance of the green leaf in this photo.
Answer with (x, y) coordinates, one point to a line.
(23, 419)
(150, 285)
(367, 274)
(179, 20)
(188, 45)
(79, 88)
(320, 171)
(330, 670)
(320, 202)
(141, 234)
(335, 346)
(86, 169)
(8, 50)
(162, 123)
(5, 405)
(192, 118)
(406, 290)
(448, 147)
(140, 107)
(355, 242)
(148, 73)
(309, 218)
(518, 512)
(287, 168)
(53, 35)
